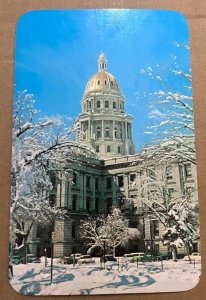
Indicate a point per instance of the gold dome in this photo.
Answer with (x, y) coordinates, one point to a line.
(102, 80)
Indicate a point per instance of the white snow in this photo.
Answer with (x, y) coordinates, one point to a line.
(149, 277)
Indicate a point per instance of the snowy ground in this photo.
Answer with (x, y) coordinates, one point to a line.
(34, 279)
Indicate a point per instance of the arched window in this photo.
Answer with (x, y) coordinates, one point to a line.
(98, 104)
(106, 104)
(107, 132)
(114, 105)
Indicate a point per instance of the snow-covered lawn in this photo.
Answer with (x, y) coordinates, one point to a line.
(34, 279)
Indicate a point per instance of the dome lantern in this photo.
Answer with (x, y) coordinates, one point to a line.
(102, 62)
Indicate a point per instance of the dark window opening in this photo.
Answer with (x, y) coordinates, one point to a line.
(132, 177)
(109, 183)
(88, 181)
(97, 149)
(88, 204)
(106, 104)
(120, 181)
(114, 105)
(53, 179)
(74, 178)
(74, 203)
(105, 82)
(98, 104)
(98, 82)
(96, 183)
(119, 149)
(108, 148)
(156, 228)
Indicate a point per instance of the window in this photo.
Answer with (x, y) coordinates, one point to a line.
(152, 174)
(108, 148)
(74, 178)
(97, 149)
(115, 132)
(88, 181)
(74, 202)
(111, 83)
(98, 132)
(88, 203)
(96, 183)
(132, 177)
(114, 105)
(120, 181)
(109, 183)
(169, 172)
(53, 179)
(188, 170)
(170, 193)
(89, 105)
(105, 82)
(119, 149)
(98, 82)
(106, 104)
(156, 228)
(98, 104)
(73, 231)
(107, 132)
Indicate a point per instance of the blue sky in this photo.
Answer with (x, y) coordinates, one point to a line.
(57, 52)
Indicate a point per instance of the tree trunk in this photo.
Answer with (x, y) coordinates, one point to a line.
(113, 251)
(174, 252)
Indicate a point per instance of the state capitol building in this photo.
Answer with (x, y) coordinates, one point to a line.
(115, 178)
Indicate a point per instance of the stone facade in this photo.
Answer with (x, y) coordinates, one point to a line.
(117, 177)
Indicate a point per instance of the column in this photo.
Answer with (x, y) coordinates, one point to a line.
(126, 133)
(102, 129)
(81, 194)
(113, 135)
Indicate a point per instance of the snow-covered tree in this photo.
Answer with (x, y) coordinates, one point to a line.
(112, 230)
(179, 216)
(171, 114)
(41, 145)
(117, 230)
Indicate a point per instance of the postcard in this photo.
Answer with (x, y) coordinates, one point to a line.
(104, 193)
